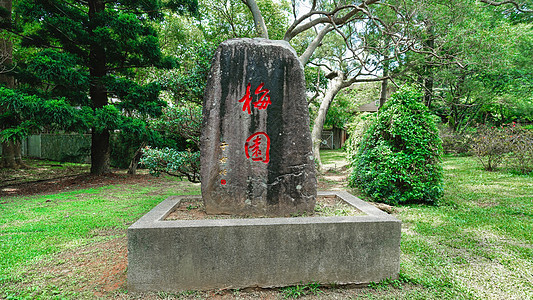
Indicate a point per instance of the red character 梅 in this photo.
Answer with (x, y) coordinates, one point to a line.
(262, 103)
(247, 99)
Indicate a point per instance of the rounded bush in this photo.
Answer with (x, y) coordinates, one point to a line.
(398, 160)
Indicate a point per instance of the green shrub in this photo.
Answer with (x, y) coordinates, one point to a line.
(510, 145)
(356, 131)
(521, 157)
(399, 158)
(172, 162)
(184, 123)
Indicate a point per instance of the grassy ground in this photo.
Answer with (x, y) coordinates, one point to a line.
(36, 230)
(332, 157)
(476, 244)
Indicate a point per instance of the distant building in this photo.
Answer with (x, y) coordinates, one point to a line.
(333, 138)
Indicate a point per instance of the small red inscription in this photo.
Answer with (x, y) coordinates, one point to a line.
(223, 181)
(262, 103)
(257, 147)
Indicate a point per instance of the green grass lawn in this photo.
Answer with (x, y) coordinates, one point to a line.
(332, 156)
(476, 244)
(32, 228)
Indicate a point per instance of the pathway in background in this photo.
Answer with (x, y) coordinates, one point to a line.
(336, 170)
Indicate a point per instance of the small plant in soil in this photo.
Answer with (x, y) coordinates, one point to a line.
(299, 290)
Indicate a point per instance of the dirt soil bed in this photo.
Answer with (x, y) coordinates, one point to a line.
(72, 182)
(193, 209)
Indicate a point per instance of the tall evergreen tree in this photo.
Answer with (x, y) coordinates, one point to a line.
(108, 39)
(11, 150)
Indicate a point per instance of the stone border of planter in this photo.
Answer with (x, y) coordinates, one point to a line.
(262, 252)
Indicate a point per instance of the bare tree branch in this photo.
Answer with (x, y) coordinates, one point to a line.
(328, 17)
(516, 5)
(260, 26)
(304, 58)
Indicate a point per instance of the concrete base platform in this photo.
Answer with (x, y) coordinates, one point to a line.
(263, 252)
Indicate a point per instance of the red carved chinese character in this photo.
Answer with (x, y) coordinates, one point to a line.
(264, 100)
(257, 146)
(247, 99)
(256, 152)
(262, 103)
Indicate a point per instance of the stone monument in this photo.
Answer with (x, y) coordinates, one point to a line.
(256, 143)
(256, 160)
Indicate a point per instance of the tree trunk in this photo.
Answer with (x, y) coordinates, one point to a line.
(6, 48)
(8, 155)
(384, 82)
(134, 163)
(6, 61)
(304, 58)
(336, 84)
(100, 153)
(429, 44)
(17, 151)
(100, 148)
(259, 22)
(428, 87)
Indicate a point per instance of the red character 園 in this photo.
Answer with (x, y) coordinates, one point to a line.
(257, 147)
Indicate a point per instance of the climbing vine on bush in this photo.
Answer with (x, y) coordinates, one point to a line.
(356, 130)
(398, 160)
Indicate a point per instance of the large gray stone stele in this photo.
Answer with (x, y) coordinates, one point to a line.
(281, 183)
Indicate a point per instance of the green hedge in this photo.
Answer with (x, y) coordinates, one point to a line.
(398, 160)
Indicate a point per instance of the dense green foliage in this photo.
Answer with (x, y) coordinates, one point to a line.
(22, 114)
(187, 83)
(398, 160)
(172, 162)
(88, 52)
(183, 159)
(478, 64)
(121, 62)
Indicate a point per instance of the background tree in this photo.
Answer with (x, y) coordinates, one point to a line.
(177, 123)
(227, 19)
(363, 50)
(468, 65)
(108, 40)
(23, 114)
(354, 24)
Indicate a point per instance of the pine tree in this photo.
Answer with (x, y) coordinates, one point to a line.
(107, 40)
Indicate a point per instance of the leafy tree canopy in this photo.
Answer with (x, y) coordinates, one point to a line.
(89, 52)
